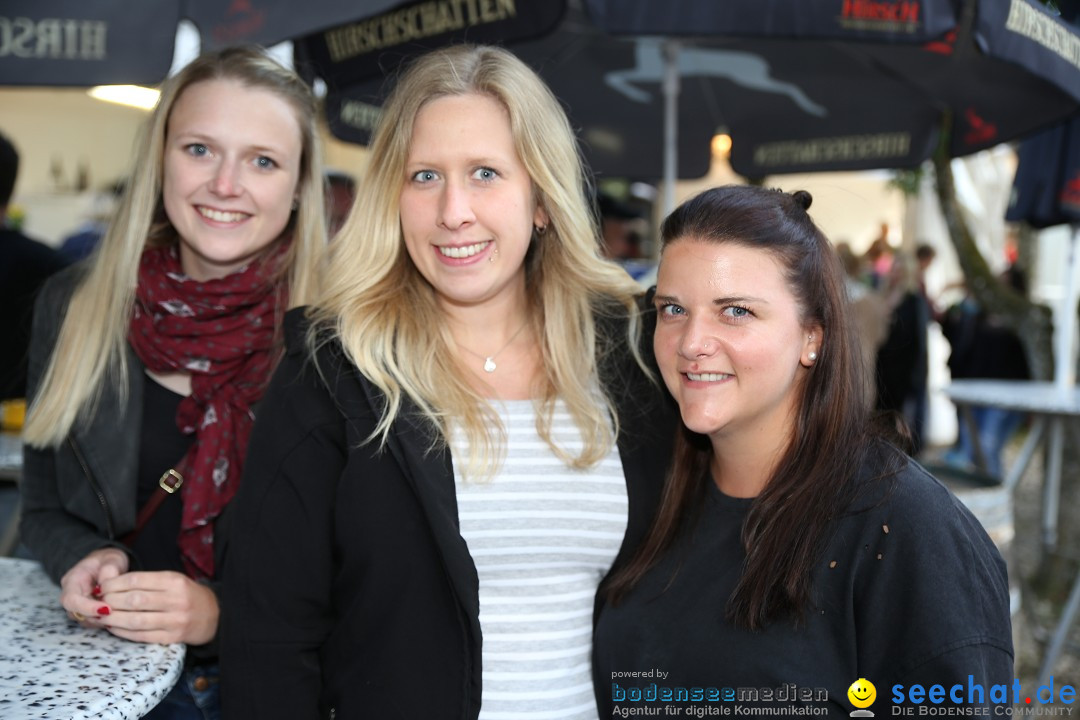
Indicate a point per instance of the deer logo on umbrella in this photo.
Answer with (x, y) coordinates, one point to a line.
(742, 68)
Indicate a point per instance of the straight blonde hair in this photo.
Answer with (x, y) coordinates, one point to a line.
(386, 316)
(91, 347)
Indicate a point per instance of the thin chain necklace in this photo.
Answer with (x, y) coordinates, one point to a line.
(489, 360)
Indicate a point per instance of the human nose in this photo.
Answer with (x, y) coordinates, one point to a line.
(697, 341)
(226, 179)
(455, 208)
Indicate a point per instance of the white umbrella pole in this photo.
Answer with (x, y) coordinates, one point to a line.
(671, 122)
(1064, 358)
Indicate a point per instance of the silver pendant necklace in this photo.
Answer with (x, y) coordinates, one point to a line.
(489, 360)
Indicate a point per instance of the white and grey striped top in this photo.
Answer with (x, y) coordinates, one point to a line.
(542, 536)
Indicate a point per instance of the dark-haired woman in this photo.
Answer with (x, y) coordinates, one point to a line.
(795, 549)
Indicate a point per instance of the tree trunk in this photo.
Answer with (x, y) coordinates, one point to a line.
(1033, 323)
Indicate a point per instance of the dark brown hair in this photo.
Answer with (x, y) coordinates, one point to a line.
(790, 521)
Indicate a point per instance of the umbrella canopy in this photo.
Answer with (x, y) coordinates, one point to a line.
(620, 126)
(1046, 192)
(800, 85)
(80, 43)
(862, 84)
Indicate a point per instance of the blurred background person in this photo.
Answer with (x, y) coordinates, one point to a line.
(982, 347)
(869, 312)
(621, 242)
(147, 363)
(925, 254)
(25, 264)
(901, 363)
(340, 193)
(80, 243)
(622, 229)
(878, 258)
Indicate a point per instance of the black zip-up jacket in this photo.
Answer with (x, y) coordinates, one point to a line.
(350, 592)
(81, 496)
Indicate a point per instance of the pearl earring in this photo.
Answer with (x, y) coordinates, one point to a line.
(811, 356)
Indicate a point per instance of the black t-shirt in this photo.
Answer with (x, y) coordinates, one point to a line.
(925, 602)
(161, 447)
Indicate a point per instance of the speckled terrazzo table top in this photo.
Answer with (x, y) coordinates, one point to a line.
(53, 669)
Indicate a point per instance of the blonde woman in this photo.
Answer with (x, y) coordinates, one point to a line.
(146, 365)
(460, 435)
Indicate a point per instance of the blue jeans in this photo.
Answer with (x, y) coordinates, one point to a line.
(996, 426)
(195, 696)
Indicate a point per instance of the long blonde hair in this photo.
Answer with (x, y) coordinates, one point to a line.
(385, 313)
(90, 349)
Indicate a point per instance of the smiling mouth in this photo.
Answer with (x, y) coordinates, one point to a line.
(221, 215)
(707, 377)
(463, 251)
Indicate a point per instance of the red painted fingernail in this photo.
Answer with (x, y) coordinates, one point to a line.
(103, 610)
(96, 592)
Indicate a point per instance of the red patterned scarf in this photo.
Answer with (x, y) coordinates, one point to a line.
(222, 333)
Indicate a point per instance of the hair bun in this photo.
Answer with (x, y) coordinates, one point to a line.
(803, 198)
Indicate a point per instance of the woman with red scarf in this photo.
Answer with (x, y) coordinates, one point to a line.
(148, 361)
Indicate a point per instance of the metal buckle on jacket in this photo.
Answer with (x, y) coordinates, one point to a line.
(171, 481)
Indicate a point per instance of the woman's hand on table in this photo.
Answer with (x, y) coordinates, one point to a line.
(80, 587)
(160, 607)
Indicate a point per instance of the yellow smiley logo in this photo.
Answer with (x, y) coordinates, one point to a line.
(862, 693)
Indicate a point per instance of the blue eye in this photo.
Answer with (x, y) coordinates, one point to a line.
(424, 176)
(672, 309)
(197, 149)
(485, 173)
(265, 163)
(737, 312)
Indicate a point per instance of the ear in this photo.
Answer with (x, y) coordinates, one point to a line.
(540, 217)
(812, 343)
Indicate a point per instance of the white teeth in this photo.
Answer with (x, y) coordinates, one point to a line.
(464, 251)
(221, 216)
(707, 377)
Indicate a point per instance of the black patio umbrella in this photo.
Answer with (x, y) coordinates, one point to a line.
(1046, 190)
(620, 131)
(801, 85)
(79, 43)
(869, 82)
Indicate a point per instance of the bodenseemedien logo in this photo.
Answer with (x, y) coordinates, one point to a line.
(862, 695)
(666, 697)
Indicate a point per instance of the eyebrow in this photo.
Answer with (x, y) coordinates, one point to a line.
(469, 162)
(200, 136)
(739, 299)
(720, 301)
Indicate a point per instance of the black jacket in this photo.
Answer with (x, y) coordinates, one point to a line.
(25, 264)
(80, 496)
(350, 591)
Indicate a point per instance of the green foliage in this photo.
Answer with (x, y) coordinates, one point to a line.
(907, 181)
